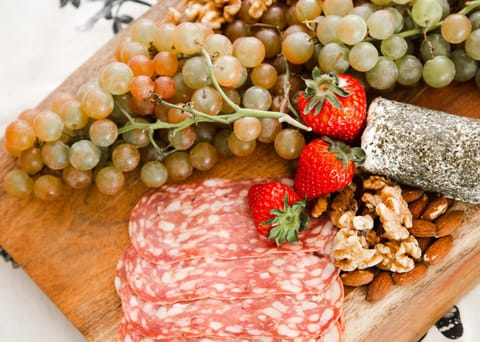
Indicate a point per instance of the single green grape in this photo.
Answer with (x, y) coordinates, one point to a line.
(203, 156)
(18, 184)
(153, 174)
(109, 180)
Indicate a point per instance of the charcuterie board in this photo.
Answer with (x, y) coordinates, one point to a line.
(70, 247)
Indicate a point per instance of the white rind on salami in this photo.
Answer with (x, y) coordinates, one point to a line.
(274, 316)
(286, 273)
(210, 218)
(128, 334)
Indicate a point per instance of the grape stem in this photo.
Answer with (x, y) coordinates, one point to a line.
(469, 6)
(198, 116)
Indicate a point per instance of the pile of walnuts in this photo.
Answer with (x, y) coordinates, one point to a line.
(215, 13)
(388, 234)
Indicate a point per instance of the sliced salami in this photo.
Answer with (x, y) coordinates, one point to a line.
(287, 273)
(274, 316)
(209, 218)
(128, 334)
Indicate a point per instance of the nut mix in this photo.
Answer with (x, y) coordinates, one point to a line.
(388, 235)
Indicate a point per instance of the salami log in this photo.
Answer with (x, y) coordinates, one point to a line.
(209, 218)
(427, 149)
(274, 316)
(286, 273)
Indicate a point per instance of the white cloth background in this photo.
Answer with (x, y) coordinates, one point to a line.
(41, 44)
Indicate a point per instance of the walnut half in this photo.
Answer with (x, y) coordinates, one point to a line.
(351, 251)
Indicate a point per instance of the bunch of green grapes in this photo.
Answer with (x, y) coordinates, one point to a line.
(178, 97)
(175, 100)
(389, 42)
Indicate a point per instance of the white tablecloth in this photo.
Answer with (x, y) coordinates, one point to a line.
(41, 44)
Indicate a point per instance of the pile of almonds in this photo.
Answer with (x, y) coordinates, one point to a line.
(434, 221)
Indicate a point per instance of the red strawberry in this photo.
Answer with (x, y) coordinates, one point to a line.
(325, 166)
(334, 105)
(277, 211)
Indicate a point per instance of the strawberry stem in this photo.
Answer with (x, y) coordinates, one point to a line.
(345, 153)
(288, 222)
(321, 88)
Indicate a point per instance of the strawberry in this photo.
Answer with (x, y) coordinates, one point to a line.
(325, 166)
(277, 211)
(333, 105)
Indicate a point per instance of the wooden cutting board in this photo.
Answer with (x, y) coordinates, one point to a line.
(70, 247)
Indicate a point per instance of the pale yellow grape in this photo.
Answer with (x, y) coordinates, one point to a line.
(18, 184)
(143, 31)
(103, 132)
(247, 128)
(228, 70)
(337, 7)
(115, 77)
(130, 49)
(298, 47)
(203, 156)
(47, 187)
(84, 155)
(363, 56)
(188, 37)
(109, 180)
(218, 45)
(178, 166)
(351, 29)
(163, 37)
(55, 155)
(72, 115)
(153, 174)
(250, 51)
(264, 75)
(82, 90)
(270, 129)
(257, 97)
(207, 100)
(308, 9)
(30, 160)
(19, 135)
(239, 147)
(125, 157)
(97, 103)
(289, 143)
(48, 126)
(381, 24)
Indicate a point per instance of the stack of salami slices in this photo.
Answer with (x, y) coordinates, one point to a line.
(197, 270)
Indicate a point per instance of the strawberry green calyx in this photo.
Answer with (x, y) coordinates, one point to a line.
(346, 153)
(321, 88)
(288, 222)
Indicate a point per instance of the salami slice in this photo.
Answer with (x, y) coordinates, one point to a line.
(274, 316)
(209, 218)
(207, 277)
(128, 334)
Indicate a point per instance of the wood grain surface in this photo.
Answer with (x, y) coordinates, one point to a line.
(70, 247)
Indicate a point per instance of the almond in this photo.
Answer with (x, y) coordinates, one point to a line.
(435, 208)
(449, 222)
(379, 287)
(357, 277)
(418, 206)
(438, 250)
(423, 228)
(424, 242)
(418, 272)
(410, 194)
